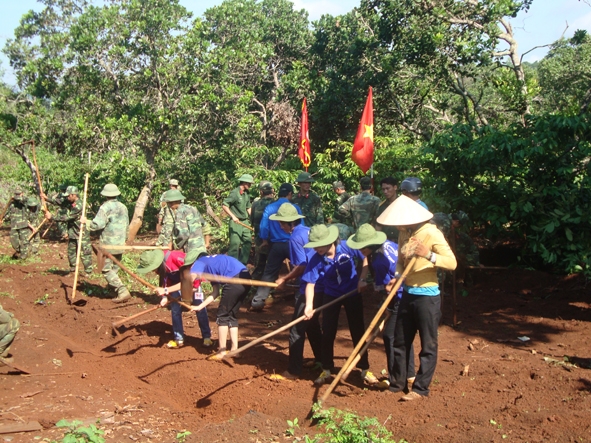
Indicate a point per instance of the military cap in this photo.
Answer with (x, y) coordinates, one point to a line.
(18, 190)
(71, 190)
(462, 217)
(246, 178)
(305, 177)
(173, 182)
(62, 187)
(265, 186)
(285, 188)
(110, 190)
(173, 195)
(365, 182)
(338, 185)
(32, 201)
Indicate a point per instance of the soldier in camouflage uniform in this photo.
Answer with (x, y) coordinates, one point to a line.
(256, 214)
(35, 217)
(343, 196)
(237, 205)
(112, 219)
(363, 207)
(165, 219)
(308, 201)
(72, 220)
(18, 215)
(60, 200)
(9, 326)
(389, 187)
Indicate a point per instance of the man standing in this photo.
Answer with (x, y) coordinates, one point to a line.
(165, 220)
(389, 187)
(72, 220)
(34, 219)
(342, 196)
(272, 234)
(363, 207)
(61, 200)
(237, 206)
(308, 201)
(256, 214)
(190, 232)
(412, 187)
(112, 219)
(18, 215)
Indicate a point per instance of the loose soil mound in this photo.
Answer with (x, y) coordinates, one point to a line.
(141, 391)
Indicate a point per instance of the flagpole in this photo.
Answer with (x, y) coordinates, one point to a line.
(373, 189)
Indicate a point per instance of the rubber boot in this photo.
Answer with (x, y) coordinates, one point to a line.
(123, 295)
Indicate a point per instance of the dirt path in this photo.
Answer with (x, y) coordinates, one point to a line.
(514, 390)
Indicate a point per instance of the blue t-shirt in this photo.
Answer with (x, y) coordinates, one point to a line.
(298, 255)
(222, 265)
(383, 262)
(271, 229)
(340, 275)
(423, 204)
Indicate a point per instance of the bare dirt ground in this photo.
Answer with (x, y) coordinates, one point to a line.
(143, 392)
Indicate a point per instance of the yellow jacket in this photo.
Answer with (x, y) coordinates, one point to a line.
(423, 272)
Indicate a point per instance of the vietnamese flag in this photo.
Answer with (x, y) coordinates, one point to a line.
(363, 146)
(304, 152)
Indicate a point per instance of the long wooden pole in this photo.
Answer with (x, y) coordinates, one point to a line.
(35, 230)
(80, 235)
(369, 329)
(6, 209)
(48, 228)
(147, 311)
(239, 281)
(245, 225)
(287, 326)
(137, 247)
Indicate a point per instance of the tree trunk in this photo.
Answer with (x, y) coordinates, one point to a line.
(140, 206)
(21, 152)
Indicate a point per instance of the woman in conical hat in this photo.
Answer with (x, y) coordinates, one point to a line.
(420, 305)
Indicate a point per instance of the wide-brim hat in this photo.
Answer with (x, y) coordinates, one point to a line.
(150, 260)
(286, 213)
(173, 182)
(366, 236)
(110, 190)
(322, 235)
(173, 195)
(404, 211)
(246, 178)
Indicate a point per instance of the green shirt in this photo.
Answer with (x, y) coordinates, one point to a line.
(239, 202)
(113, 219)
(311, 207)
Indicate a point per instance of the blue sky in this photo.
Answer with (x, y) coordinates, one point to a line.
(544, 23)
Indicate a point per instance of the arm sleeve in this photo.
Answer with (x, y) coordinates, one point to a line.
(100, 221)
(345, 208)
(264, 226)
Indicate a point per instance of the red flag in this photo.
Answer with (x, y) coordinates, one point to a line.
(304, 152)
(363, 146)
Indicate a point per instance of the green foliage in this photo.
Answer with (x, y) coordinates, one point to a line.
(76, 433)
(181, 436)
(292, 426)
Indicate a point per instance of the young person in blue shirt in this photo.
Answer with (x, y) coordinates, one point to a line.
(334, 264)
(382, 258)
(290, 221)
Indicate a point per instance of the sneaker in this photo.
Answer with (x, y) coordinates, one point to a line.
(368, 377)
(412, 395)
(323, 377)
(207, 342)
(218, 356)
(285, 376)
(175, 344)
(383, 384)
(311, 364)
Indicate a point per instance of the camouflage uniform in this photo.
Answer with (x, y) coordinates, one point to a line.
(256, 214)
(113, 219)
(362, 208)
(189, 229)
(72, 220)
(61, 201)
(238, 202)
(18, 214)
(311, 207)
(35, 217)
(166, 221)
(390, 231)
(337, 217)
(9, 326)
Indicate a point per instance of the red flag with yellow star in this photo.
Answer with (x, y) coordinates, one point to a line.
(363, 146)
(304, 152)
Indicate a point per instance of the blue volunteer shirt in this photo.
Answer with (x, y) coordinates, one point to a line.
(298, 255)
(383, 262)
(270, 229)
(340, 275)
(222, 265)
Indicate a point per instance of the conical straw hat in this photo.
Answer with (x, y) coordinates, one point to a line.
(404, 211)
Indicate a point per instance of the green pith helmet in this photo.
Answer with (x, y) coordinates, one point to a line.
(150, 260)
(338, 185)
(110, 190)
(173, 182)
(32, 201)
(246, 178)
(265, 186)
(71, 190)
(62, 187)
(286, 213)
(173, 195)
(305, 177)
(366, 236)
(322, 235)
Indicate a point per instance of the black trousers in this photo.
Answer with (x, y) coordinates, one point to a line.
(232, 297)
(297, 334)
(330, 322)
(388, 336)
(422, 314)
(277, 254)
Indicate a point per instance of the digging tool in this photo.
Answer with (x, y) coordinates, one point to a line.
(13, 366)
(118, 323)
(369, 330)
(239, 281)
(245, 225)
(43, 203)
(6, 209)
(35, 230)
(137, 247)
(372, 337)
(287, 326)
(80, 235)
(454, 288)
(48, 228)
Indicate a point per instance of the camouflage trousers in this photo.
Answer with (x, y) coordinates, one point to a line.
(165, 237)
(110, 272)
(85, 253)
(19, 239)
(7, 333)
(35, 242)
